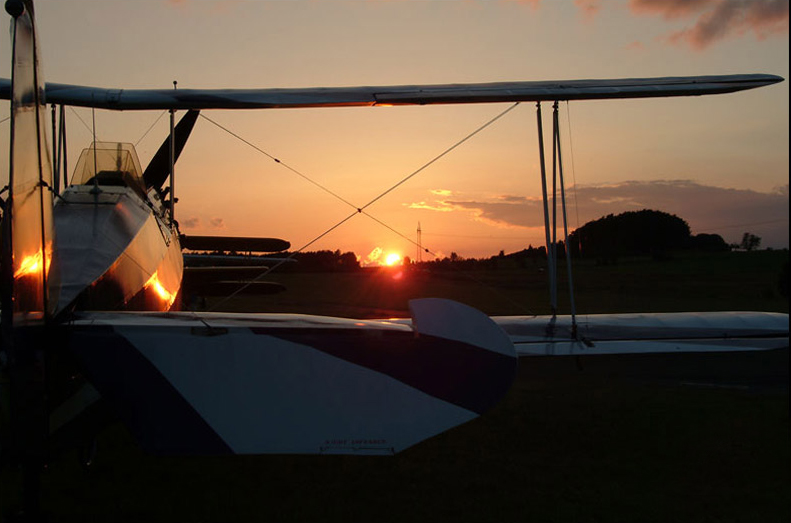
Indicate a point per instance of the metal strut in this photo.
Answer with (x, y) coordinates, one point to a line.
(173, 199)
(62, 149)
(55, 161)
(556, 138)
(59, 166)
(172, 166)
(550, 261)
(551, 231)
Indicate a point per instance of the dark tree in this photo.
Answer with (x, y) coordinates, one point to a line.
(750, 242)
(630, 233)
(709, 243)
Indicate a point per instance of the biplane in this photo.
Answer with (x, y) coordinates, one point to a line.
(92, 275)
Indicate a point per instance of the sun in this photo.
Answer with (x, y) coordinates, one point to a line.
(392, 258)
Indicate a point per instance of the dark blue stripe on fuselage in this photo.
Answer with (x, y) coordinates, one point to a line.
(155, 412)
(465, 375)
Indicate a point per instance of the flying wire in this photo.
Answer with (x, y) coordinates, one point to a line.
(586, 322)
(573, 171)
(163, 113)
(361, 210)
(357, 210)
(283, 164)
(445, 152)
(88, 127)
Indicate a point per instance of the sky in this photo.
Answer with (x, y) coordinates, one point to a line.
(719, 162)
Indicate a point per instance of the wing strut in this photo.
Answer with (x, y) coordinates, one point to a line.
(550, 231)
(556, 132)
(550, 262)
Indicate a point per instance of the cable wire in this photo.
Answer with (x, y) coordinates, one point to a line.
(163, 113)
(357, 210)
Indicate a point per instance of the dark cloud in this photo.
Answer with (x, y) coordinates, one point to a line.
(717, 20)
(712, 20)
(506, 211)
(190, 223)
(217, 223)
(728, 212)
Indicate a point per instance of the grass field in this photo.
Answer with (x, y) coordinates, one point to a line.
(566, 444)
(687, 282)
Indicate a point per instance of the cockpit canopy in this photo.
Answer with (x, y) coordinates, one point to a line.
(111, 163)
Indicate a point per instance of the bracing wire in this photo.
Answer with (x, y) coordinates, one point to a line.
(283, 164)
(281, 262)
(88, 127)
(442, 154)
(361, 210)
(357, 210)
(75, 113)
(163, 113)
(573, 171)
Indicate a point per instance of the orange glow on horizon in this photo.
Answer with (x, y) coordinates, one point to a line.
(392, 259)
(379, 258)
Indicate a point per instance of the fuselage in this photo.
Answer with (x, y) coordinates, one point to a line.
(116, 247)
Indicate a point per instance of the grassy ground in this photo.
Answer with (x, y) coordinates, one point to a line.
(688, 282)
(577, 448)
(564, 445)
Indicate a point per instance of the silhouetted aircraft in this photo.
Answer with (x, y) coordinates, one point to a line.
(219, 383)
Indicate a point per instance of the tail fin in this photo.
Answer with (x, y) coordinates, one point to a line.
(28, 233)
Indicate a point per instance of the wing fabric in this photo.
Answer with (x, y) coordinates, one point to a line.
(145, 99)
(684, 332)
(219, 383)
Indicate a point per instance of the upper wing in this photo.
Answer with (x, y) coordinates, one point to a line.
(144, 99)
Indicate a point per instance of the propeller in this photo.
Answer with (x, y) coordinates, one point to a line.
(158, 169)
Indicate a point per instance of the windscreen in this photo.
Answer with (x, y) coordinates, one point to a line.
(111, 163)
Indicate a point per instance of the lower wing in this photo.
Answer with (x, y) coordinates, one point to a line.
(189, 383)
(646, 333)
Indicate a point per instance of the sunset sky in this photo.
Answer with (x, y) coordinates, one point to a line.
(719, 162)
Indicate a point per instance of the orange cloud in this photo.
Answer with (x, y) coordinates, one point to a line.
(635, 46)
(717, 20)
(437, 206)
(589, 8)
(670, 9)
(374, 257)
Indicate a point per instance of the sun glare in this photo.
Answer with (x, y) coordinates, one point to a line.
(160, 290)
(32, 264)
(392, 258)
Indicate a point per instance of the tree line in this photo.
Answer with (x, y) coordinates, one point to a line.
(633, 233)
